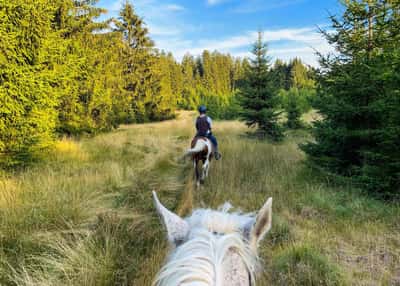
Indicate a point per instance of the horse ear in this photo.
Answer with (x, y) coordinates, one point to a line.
(177, 228)
(261, 225)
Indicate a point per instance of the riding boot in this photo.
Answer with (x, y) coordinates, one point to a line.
(217, 155)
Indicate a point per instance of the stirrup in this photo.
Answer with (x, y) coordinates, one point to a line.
(217, 155)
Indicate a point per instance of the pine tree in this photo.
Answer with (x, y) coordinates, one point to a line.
(299, 75)
(293, 109)
(358, 99)
(84, 106)
(207, 73)
(188, 66)
(281, 75)
(167, 99)
(142, 82)
(27, 99)
(237, 72)
(176, 75)
(258, 95)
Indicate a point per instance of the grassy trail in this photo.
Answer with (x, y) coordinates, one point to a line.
(85, 217)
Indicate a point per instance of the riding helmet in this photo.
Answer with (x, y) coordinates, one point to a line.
(202, 109)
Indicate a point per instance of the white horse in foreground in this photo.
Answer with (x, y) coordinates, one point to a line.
(213, 248)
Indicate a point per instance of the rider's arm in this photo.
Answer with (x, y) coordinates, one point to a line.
(197, 127)
(209, 122)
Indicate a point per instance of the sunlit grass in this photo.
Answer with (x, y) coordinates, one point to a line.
(68, 149)
(85, 217)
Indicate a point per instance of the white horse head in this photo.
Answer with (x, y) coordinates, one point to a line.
(211, 247)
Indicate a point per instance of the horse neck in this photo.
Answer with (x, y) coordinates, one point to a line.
(204, 259)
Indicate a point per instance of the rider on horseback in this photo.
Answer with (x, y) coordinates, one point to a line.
(203, 127)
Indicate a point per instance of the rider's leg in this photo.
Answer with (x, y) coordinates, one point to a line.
(215, 143)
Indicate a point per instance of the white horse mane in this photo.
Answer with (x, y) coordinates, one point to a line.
(213, 236)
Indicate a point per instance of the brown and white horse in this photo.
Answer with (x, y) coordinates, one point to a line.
(201, 151)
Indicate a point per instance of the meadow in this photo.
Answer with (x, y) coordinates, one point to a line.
(85, 215)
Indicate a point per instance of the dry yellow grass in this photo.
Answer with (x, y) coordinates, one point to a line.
(85, 217)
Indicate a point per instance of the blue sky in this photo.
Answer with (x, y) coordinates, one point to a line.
(181, 26)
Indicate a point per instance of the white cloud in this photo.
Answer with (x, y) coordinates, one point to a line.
(159, 17)
(173, 34)
(284, 44)
(305, 35)
(157, 30)
(174, 7)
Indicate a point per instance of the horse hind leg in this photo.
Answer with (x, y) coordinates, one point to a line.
(206, 166)
(196, 173)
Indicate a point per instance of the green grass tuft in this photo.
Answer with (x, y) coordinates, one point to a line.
(303, 265)
(281, 233)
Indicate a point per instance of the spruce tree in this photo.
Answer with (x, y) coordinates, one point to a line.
(258, 98)
(27, 99)
(188, 67)
(293, 109)
(299, 75)
(281, 75)
(359, 99)
(84, 102)
(141, 81)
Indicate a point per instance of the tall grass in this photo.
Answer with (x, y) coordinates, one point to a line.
(85, 217)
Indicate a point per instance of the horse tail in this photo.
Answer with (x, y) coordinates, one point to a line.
(200, 145)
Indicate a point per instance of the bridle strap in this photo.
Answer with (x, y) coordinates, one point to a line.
(250, 280)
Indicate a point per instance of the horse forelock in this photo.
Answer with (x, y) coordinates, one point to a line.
(214, 237)
(220, 221)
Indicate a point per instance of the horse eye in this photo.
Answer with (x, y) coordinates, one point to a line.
(178, 242)
(217, 233)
